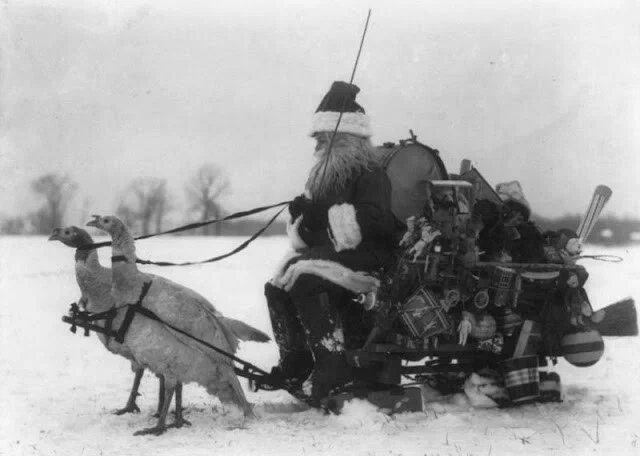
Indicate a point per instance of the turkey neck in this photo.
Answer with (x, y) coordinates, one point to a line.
(90, 257)
(124, 244)
(92, 278)
(126, 280)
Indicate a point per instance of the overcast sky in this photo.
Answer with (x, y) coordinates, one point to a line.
(547, 93)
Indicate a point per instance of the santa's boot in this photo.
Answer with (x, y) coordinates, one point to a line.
(296, 360)
(325, 336)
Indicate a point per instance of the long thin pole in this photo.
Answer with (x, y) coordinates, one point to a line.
(353, 73)
(364, 33)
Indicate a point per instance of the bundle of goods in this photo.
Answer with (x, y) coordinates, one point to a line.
(477, 286)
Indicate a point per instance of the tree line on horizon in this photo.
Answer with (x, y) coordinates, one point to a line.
(145, 203)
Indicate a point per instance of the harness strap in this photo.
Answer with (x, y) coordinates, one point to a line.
(87, 326)
(108, 324)
(117, 258)
(131, 311)
(150, 314)
(83, 318)
(108, 317)
(248, 370)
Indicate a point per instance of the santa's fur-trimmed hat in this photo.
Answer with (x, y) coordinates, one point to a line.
(341, 98)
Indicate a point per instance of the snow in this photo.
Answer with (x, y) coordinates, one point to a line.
(59, 389)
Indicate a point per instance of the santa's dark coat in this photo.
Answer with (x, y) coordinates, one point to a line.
(354, 228)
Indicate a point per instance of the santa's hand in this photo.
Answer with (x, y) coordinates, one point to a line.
(298, 206)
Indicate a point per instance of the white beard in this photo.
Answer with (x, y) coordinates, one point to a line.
(350, 156)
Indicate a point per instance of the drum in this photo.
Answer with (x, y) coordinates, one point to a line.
(410, 165)
(423, 316)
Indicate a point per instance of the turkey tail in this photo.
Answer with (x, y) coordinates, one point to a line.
(617, 319)
(245, 332)
(226, 386)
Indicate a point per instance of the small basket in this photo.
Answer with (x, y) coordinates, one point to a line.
(521, 378)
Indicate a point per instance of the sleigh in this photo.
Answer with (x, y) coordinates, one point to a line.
(445, 309)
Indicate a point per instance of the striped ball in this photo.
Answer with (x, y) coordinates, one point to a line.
(583, 349)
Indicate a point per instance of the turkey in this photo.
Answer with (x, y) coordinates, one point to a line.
(176, 356)
(94, 281)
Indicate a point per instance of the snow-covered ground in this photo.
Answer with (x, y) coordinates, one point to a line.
(58, 390)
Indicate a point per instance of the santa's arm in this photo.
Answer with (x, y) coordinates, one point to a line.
(302, 237)
(307, 225)
(367, 217)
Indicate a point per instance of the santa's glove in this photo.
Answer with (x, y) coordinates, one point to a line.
(316, 217)
(299, 206)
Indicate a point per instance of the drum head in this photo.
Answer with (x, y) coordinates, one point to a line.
(410, 167)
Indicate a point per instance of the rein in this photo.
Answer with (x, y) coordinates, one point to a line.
(191, 226)
(224, 255)
(244, 245)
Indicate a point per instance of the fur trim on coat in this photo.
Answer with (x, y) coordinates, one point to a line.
(345, 231)
(354, 281)
(294, 236)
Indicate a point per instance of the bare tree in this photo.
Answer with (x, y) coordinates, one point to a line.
(145, 201)
(57, 190)
(203, 193)
(14, 225)
(84, 213)
(162, 205)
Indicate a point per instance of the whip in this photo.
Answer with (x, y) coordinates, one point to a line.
(353, 73)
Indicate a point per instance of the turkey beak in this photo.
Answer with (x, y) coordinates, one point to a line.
(55, 236)
(95, 222)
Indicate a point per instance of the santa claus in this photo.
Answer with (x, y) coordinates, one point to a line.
(341, 229)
